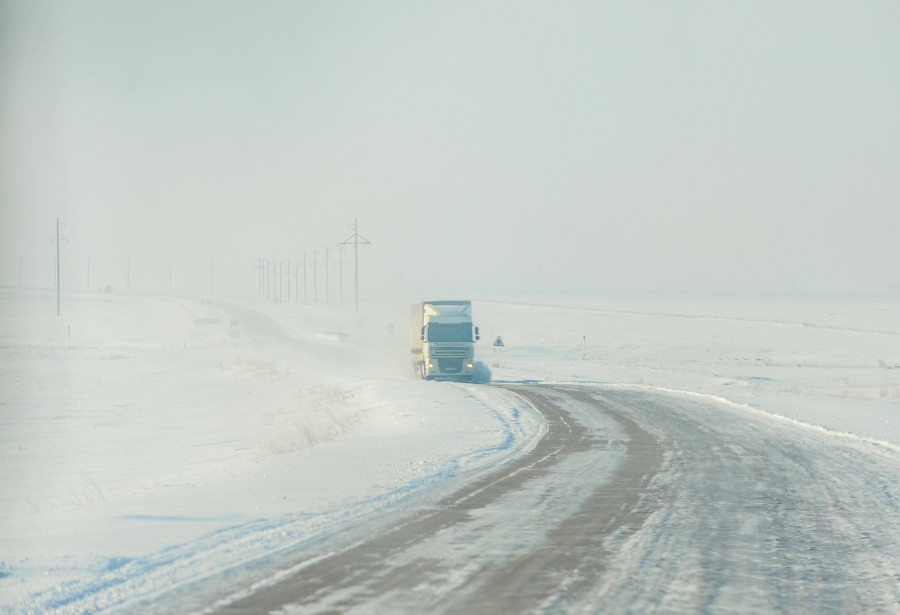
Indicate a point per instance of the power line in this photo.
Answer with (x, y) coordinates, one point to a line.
(356, 239)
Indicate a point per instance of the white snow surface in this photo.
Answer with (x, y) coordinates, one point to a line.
(150, 441)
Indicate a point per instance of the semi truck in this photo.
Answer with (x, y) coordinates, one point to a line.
(442, 340)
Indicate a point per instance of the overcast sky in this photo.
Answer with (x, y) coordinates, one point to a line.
(604, 145)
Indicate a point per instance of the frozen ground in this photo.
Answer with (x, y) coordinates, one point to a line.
(147, 442)
(827, 361)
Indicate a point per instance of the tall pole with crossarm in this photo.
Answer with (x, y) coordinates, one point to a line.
(356, 239)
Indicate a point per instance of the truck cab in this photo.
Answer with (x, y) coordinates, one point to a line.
(442, 339)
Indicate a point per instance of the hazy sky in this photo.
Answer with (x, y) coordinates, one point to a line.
(605, 145)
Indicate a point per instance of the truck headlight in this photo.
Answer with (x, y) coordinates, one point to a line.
(470, 365)
(430, 365)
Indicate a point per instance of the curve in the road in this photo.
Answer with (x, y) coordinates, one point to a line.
(694, 506)
(569, 559)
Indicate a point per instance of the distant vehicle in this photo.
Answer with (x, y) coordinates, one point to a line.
(442, 340)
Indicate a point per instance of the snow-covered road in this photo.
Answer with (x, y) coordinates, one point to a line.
(634, 501)
(752, 513)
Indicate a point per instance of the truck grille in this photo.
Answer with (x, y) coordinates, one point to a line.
(450, 350)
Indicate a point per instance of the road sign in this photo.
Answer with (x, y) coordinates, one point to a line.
(498, 342)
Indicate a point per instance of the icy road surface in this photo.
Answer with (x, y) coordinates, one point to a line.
(634, 501)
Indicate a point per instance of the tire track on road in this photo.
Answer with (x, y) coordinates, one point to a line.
(553, 570)
(576, 555)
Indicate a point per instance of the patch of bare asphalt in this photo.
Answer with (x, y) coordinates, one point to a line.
(569, 562)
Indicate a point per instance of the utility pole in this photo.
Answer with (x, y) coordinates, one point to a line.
(356, 239)
(305, 293)
(326, 276)
(315, 276)
(58, 276)
(341, 272)
(261, 282)
(58, 273)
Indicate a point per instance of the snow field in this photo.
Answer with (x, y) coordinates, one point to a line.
(831, 362)
(150, 440)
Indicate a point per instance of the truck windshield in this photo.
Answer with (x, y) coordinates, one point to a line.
(457, 332)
